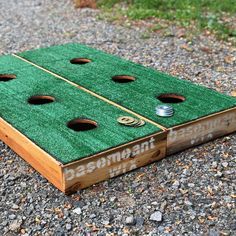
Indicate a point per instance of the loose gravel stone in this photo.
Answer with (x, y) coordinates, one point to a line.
(176, 184)
(77, 211)
(156, 216)
(139, 221)
(68, 227)
(92, 216)
(15, 207)
(12, 217)
(15, 225)
(225, 164)
(130, 220)
(203, 176)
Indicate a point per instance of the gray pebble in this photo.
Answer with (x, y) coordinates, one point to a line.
(12, 217)
(176, 184)
(130, 220)
(191, 185)
(92, 216)
(15, 207)
(156, 216)
(225, 164)
(139, 221)
(219, 174)
(113, 199)
(77, 210)
(214, 164)
(23, 184)
(213, 232)
(105, 222)
(188, 203)
(15, 225)
(68, 227)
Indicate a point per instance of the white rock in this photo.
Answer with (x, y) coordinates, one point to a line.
(14, 207)
(154, 203)
(23, 184)
(68, 226)
(225, 164)
(113, 199)
(156, 216)
(15, 225)
(105, 222)
(214, 164)
(176, 184)
(129, 220)
(187, 202)
(77, 210)
(191, 185)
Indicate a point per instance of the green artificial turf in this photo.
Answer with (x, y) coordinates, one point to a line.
(46, 125)
(139, 95)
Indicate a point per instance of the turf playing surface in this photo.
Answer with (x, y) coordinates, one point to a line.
(46, 125)
(139, 95)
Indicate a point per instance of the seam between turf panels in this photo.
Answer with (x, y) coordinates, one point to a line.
(93, 93)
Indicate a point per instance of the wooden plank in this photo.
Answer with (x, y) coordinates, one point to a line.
(31, 153)
(201, 131)
(114, 162)
(90, 170)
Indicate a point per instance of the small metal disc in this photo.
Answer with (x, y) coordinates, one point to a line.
(134, 123)
(125, 120)
(141, 123)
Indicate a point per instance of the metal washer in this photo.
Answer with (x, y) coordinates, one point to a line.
(164, 110)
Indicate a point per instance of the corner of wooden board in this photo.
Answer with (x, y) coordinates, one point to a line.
(31, 153)
(113, 162)
(201, 130)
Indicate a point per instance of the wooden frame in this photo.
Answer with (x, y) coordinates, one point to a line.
(114, 162)
(121, 159)
(118, 160)
(201, 130)
(31, 153)
(85, 172)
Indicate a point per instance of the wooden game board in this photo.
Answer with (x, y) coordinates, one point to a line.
(59, 110)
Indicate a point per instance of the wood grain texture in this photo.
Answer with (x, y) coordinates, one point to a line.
(201, 130)
(30, 152)
(113, 162)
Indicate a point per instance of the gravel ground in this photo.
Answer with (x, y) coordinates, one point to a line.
(191, 193)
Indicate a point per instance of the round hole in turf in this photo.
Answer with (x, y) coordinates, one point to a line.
(82, 124)
(80, 61)
(171, 98)
(123, 78)
(40, 100)
(6, 77)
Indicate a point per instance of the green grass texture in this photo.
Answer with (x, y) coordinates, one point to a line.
(206, 14)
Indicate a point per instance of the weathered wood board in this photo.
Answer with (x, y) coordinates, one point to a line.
(201, 131)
